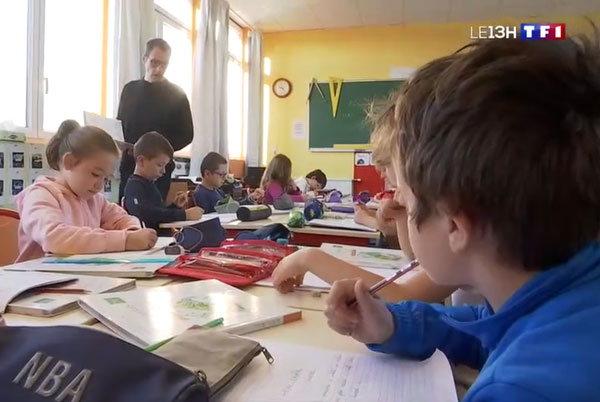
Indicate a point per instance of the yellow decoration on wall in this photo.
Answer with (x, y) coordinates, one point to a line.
(335, 91)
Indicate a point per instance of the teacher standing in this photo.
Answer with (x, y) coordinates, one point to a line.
(154, 104)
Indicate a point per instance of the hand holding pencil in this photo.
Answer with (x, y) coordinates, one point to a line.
(353, 310)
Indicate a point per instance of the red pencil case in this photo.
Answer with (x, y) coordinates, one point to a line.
(267, 247)
(236, 267)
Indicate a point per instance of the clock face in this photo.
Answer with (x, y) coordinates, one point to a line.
(282, 87)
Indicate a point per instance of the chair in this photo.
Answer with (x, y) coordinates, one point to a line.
(9, 233)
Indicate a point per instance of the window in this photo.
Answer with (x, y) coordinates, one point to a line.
(13, 80)
(72, 60)
(173, 24)
(180, 10)
(235, 93)
(180, 66)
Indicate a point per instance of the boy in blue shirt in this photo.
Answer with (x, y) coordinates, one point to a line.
(152, 153)
(208, 193)
(496, 157)
(213, 170)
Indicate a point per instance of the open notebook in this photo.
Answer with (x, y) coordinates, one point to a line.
(57, 299)
(148, 316)
(367, 257)
(301, 374)
(13, 284)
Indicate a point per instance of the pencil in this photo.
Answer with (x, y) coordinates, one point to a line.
(386, 281)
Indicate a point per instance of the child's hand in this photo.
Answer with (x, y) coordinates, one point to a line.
(142, 239)
(181, 199)
(194, 213)
(257, 195)
(369, 321)
(393, 217)
(304, 197)
(290, 271)
(362, 216)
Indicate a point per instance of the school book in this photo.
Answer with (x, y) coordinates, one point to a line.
(367, 257)
(301, 374)
(148, 316)
(49, 301)
(133, 264)
(13, 284)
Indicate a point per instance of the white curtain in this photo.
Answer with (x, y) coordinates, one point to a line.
(255, 100)
(209, 88)
(136, 27)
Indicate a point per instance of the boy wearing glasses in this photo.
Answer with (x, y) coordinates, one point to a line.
(213, 170)
(208, 193)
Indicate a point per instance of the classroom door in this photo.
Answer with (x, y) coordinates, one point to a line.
(366, 177)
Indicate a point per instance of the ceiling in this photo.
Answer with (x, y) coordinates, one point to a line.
(292, 15)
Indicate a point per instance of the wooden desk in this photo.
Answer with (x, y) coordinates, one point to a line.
(308, 235)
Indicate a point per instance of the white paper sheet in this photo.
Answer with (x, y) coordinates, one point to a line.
(340, 223)
(301, 374)
(112, 126)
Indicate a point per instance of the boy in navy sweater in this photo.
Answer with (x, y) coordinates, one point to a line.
(213, 170)
(496, 157)
(152, 153)
(208, 193)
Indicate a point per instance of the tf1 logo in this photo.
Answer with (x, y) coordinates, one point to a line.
(543, 31)
(527, 32)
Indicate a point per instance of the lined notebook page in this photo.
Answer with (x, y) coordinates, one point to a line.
(304, 374)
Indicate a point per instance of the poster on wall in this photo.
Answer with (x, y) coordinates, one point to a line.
(17, 154)
(15, 183)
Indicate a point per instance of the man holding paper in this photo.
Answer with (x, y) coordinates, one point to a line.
(154, 104)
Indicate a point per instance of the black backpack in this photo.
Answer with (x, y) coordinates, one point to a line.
(76, 364)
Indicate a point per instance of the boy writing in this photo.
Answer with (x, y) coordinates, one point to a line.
(152, 152)
(496, 160)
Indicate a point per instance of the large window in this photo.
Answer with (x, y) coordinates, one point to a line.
(174, 24)
(13, 80)
(180, 66)
(235, 93)
(72, 60)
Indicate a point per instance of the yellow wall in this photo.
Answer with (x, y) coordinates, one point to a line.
(353, 53)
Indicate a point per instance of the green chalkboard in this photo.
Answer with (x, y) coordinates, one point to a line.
(350, 125)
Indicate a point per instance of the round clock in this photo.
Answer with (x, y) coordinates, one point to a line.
(282, 87)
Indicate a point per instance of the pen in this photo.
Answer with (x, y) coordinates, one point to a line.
(384, 282)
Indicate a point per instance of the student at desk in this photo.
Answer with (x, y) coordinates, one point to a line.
(208, 193)
(391, 220)
(152, 152)
(277, 181)
(489, 144)
(69, 214)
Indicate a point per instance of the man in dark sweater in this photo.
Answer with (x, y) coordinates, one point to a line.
(152, 154)
(154, 104)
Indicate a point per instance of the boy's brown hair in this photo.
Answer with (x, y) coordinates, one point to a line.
(211, 162)
(151, 145)
(508, 133)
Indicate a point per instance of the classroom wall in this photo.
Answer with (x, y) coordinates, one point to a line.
(354, 53)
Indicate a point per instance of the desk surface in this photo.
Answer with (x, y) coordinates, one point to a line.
(283, 218)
